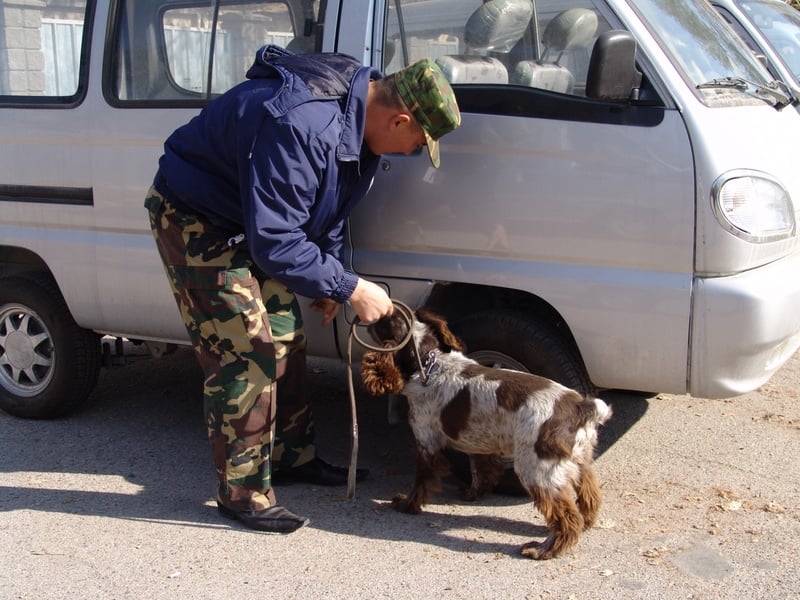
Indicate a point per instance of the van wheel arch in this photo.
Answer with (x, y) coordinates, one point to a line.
(49, 365)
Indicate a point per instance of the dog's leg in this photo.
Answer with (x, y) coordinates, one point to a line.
(588, 495)
(487, 470)
(562, 517)
(429, 469)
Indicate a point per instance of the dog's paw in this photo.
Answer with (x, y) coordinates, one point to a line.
(402, 503)
(538, 550)
(551, 547)
(470, 494)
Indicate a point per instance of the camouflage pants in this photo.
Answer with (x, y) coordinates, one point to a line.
(247, 333)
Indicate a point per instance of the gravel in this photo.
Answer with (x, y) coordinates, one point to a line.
(701, 500)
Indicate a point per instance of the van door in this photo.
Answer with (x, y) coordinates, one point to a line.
(584, 204)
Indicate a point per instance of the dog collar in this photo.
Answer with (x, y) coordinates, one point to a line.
(429, 365)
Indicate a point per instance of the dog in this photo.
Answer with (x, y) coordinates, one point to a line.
(549, 430)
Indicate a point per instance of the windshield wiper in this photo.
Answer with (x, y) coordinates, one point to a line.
(775, 90)
(780, 91)
(725, 82)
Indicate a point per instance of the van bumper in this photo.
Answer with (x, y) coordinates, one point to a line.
(744, 327)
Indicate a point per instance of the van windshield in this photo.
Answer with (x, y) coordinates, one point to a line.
(702, 47)
(780, 24)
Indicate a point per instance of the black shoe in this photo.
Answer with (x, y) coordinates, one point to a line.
(275, 518)
(316, 472)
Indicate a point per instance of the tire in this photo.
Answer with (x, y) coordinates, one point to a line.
(48, 364)
(513, 339)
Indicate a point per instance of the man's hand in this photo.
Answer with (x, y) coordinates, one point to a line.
(329, 309)
(370, 301)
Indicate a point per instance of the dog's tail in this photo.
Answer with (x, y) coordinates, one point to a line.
(603, 411)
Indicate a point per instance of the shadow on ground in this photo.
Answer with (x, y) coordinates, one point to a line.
(144, 426)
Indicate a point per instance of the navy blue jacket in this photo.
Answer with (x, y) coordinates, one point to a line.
(280, 158)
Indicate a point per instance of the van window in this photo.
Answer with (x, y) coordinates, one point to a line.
(778, 22)
(169, 52)
(187, 37)
(504, 42)
(43, 48)
(739, 29)
(705, 53)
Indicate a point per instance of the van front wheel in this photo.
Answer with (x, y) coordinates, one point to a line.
(48, 364)
(512, 339)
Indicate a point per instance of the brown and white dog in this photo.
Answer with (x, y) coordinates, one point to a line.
(548, 430)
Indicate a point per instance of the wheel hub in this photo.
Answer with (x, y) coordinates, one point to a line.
(26, 356)
(19, 350)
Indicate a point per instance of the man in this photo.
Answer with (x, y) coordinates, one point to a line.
(248, 207)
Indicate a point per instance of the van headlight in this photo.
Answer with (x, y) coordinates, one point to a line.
(753, 206)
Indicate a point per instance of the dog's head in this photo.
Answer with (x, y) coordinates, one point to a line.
(387, 372)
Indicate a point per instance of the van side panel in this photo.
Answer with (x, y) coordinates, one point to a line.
(572, 212)
(130, 277)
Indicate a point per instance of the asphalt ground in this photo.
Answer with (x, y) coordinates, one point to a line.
(701, 500)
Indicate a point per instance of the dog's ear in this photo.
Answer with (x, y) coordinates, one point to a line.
(447, 339)
(380, 375)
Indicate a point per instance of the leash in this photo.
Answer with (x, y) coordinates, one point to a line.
(408, 315)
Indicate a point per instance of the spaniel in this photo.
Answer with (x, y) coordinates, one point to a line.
(490, 414)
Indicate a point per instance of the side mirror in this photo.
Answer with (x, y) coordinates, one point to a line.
(612, 69)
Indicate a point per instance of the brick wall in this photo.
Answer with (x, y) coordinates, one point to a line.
(21, 58)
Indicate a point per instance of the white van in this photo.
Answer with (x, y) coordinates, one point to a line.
(618, 209)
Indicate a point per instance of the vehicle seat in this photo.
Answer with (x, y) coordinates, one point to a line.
(495, 27)
(570, 29)
(301, 45)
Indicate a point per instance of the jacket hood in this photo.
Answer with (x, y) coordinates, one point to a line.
(326, 76)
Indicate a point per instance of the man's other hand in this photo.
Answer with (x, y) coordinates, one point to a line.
(327, 307)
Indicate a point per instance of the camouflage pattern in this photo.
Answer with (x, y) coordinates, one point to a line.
(428, 95)
(247, 333)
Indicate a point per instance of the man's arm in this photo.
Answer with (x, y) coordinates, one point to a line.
(279, 191)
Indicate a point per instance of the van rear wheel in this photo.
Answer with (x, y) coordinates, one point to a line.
(513, 339)
(48, 364)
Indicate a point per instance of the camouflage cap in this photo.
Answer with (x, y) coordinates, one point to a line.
(428, 95)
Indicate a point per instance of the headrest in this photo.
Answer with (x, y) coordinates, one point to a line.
(497, 25)
(569, 29)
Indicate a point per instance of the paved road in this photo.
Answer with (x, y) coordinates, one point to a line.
(701, 500)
